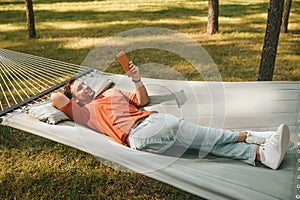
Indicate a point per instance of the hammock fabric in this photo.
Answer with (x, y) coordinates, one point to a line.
(239, 106)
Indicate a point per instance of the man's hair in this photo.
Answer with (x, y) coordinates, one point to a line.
(67, 88)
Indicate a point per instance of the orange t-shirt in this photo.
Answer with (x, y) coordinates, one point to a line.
(113, 113)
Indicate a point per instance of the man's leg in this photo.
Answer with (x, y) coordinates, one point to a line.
(160, 131)
(242, 151)
(270, 153)
(155, 134)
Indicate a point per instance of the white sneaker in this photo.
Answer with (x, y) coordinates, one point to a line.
(254, 137)
(273, 150)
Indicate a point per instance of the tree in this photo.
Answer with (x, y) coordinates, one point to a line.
(285, 17)
(213, 15)
(269, 51)
(30, 19)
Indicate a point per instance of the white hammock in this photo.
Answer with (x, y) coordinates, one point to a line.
(239, 106)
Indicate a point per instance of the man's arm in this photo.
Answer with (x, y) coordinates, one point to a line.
(141, 91)
(59, 100)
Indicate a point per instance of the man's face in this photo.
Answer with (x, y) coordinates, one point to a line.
(82, 92)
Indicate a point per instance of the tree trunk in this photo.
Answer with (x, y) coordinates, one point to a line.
(213, 15)
(285, 17)
(30, 19)
(269, 51)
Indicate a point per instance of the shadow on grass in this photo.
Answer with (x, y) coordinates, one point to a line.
(237, 10)
(171, 14)
(5, 2)
(78, 184)
(35, 168)
(111, 23)
(174, 13)
(11, 138)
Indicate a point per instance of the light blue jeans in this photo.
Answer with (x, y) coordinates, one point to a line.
(159, 132)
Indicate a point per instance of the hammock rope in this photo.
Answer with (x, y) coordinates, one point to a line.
(26, 78)
(22, 75)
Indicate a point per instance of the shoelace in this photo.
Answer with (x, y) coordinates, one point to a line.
(254, 139)
(272, 141)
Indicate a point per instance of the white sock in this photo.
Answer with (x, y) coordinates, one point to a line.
(263, 134)
(261, 154)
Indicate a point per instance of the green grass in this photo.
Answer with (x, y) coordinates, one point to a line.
(35, 168)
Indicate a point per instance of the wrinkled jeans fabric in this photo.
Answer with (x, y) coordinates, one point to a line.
(159, 132)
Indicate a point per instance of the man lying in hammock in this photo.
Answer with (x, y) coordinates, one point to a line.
(116, 114)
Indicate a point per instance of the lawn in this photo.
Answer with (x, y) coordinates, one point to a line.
(35, 168)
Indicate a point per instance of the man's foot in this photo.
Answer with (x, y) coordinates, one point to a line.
(255, 137)
(273, 150)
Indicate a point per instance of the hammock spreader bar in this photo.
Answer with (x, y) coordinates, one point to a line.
(18, 105)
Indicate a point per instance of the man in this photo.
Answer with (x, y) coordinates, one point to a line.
(116, 114)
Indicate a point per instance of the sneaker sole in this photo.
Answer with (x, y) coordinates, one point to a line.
(284, 143)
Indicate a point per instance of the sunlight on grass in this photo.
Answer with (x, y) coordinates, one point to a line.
(83, 25)
(255, 18)
(12, 27)
(103, 6)
(81, 43)
(227, 20)
(294, 25)
(65, 25)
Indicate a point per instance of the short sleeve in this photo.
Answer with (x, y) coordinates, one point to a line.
(132, 97)
(67, 109)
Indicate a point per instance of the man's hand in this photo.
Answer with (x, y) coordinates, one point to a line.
(59, 100)
(134, 72)
(141, 91)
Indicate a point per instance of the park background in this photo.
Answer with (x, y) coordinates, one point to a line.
(67, 30)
